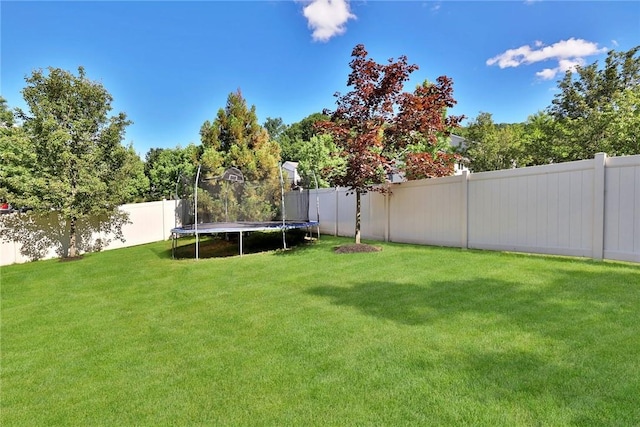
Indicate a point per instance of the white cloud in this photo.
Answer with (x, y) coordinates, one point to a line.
(570, 64)
(547, 73)
(327, 18)
(564, 65)
(569, 54)
(614, 43)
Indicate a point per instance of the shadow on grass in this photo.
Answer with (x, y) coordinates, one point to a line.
(571, 342)
(221, 246)
(570, 294)
(413, 304)
(571, 287)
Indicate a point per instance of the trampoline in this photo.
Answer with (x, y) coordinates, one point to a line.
(240, 227)
(234, 205)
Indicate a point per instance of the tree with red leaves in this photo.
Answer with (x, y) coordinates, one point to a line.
(377, 126)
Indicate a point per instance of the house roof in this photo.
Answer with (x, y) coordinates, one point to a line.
(290, 165)
(457, 141)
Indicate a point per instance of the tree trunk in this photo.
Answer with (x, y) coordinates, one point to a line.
(72, 238)
(358, 204)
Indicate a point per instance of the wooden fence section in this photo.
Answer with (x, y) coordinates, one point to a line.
(588, 208)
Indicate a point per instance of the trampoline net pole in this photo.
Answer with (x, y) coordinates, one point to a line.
(315, 178)
(195, 205)
(284, 237)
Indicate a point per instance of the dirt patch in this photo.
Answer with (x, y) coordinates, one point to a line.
(357, 248)
(70, 259)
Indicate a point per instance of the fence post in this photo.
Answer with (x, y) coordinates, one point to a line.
(464, 220)
(335, 226)
(387, 214)
(600, 161)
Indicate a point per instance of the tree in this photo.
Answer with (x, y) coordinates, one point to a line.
(318, 162)
(538, 144)
(275, 127)
(236, 139)
(71, 161)
(135, 182)
(493, 147)
(596, 109)
(163, 166)
(16, 156)
(6, 115)
(430, 160)
(313, 149)
(376, 120)
(297, 134)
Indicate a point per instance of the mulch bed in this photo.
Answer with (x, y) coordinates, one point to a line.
(356, 248)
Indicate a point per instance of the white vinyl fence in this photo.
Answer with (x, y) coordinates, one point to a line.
(588, 208)
(148, 222)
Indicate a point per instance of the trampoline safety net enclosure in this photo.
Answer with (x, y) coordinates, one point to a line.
(225, 201)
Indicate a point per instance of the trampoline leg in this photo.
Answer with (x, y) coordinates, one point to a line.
(174, 245)
(284, 239)
(240, 243)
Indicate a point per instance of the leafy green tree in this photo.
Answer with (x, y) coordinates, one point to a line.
(135, 182)
(163, 167)
(6, 115)
(538, 139)
(319, 162)
(70, 161)
(17, 157)
(494, 147)
(275, 127)
(295, 136)
(236, 139)
(596, 109)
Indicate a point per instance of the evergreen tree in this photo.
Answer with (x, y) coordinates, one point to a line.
(236, 139)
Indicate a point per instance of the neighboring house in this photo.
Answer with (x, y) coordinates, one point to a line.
(458, 143)
(291, 169)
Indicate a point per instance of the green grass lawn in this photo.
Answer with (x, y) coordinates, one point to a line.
(410, 335)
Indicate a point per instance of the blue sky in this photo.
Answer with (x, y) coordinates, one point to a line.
(171, 65)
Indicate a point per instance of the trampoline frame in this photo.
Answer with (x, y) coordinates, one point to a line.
(235, 227)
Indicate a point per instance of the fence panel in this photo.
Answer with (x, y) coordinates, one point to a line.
(346, 212)
(148, 222)
(622, 209)
(428, 211)
(544, 209)
(374, 216)
(324, 201)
